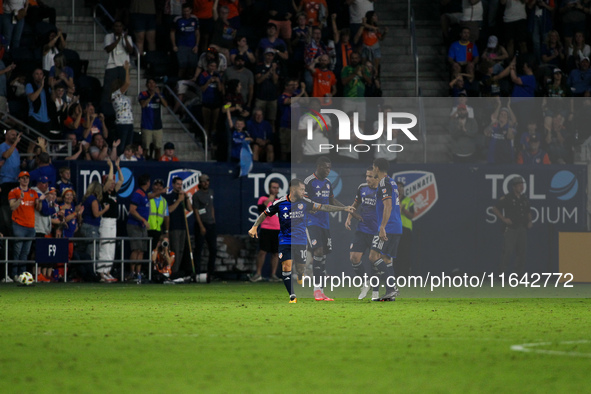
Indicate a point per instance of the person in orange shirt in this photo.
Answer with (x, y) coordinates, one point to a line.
(316, 11)
(23, 203)
(203, 10)
(169, 153)
(325, 82)
(371, 35)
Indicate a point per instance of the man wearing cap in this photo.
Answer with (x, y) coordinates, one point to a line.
(244, 75)
(205, 230)
(513, 209)
(178, 206)
(579, 79)
(169, 153)
(159, 219)
(43, 219)
(534, 155)
(23, 204)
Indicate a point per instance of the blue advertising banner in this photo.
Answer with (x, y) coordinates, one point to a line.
(454, 227)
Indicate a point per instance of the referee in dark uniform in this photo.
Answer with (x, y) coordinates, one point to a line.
(513, 209)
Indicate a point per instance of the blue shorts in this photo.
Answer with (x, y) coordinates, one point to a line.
(142, 22)
(319, 237)
(361, 242)
(296, 253)
(387, 248)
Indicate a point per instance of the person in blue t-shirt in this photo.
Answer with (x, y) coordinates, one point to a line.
(385, 244)
(151, 102)
(284, 104)
(137, 222)
(293, 210)
(212, 91)
(239, 137)
(44, 169)
(367, 227)
(262, 134)
(185, 40)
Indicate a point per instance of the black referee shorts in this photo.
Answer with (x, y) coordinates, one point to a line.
(269, 240)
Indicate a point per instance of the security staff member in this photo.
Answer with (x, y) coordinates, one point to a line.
(513, 209)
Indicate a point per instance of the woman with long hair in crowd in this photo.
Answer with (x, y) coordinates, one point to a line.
(108, 226)
(91, 216)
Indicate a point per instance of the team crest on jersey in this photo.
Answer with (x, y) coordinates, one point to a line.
(280, 255)
(421, 186)
(314, 242)
(190, 182)
(300, 206)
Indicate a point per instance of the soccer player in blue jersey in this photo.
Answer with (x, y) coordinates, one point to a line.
(319, 189)
(293, 210)
(385, 244)
(365, 206)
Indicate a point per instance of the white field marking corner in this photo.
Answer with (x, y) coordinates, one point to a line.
(533, 348)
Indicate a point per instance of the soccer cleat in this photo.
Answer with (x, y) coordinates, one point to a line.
(256, 278)
(391, 296)
(42, 278)
(111, 278)
(7, 280)
(327, 298)
(300, 280)
(274, 278)
(364, 291)
(293, 299)
(320, 296)
(179, 280)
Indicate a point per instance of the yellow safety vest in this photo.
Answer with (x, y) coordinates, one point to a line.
(156, 217)
(406, 204)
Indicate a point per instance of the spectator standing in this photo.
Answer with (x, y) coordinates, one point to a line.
(184, 36)
(515, 26)
(137, 225)
(203, 10)
(65, 181)
(94, 209)
(38, 11)
(123, 110)
(324, 80)
(23, 204)
(108, 226)
(357, 10)
(267, 79)
(37, 96)
(284, 104)
(242, 49)
(354, 78)
(513, 210)
(61, 74)
(55, 44)
(272, 41)
(533, 155)
(223, 33)
(44, 169)
(178, 207)
(540, 22)
(501, 133)
(99, 149)
(268, 236)
(119, 46)
(244, 75)
(281, 12)
(463, 131)
(343, 47)
(579, 79)
(205, 228)
(13, 21)
(212, 91)
(151, 102)
(573, 15)
(43, 220)
(143, 23)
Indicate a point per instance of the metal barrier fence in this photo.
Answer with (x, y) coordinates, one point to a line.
(95, 243)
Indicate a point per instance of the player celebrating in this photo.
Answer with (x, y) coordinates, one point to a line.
(319, 190)
(292, 211)
(365, 205)
(385, 244)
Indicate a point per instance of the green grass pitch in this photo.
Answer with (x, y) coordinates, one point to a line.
(243, 337)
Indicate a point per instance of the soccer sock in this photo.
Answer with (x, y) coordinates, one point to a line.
(287, 281)
(390, 273)
(359, 272)
(379, 267)
(368, 270)
(319, 270)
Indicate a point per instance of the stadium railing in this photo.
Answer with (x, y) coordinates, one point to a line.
(95, 243)
(30, 135)
(190, 115)
(97, 21)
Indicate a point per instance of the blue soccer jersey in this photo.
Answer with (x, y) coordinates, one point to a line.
(185, 31)
(292, 219)
(366, 198)
(319, 191)
(387, 193)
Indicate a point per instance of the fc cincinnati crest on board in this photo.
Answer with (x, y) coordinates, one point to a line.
(421, 187)
(190, 182)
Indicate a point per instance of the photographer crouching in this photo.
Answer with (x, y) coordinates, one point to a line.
(163, 259)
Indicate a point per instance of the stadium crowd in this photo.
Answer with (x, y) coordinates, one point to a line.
(519, 49)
